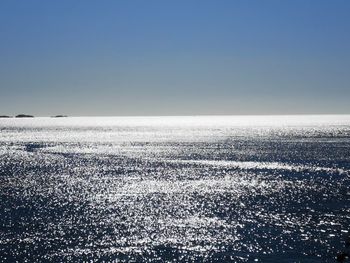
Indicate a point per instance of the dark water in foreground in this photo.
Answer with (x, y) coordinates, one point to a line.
(174, 189)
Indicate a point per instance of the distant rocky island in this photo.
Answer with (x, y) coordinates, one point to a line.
(24, 116)
(31, 116)
(18, 116)
(59, 116)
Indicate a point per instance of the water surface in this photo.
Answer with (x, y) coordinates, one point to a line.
(174, 189)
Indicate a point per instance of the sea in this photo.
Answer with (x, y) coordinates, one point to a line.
(175, 189)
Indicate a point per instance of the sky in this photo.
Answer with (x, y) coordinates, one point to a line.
(174, 57)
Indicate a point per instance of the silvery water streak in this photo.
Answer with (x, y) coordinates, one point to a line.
(181, 189)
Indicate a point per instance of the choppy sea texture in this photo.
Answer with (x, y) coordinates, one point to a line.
(175, 189)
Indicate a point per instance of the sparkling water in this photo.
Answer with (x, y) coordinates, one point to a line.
(175, 189)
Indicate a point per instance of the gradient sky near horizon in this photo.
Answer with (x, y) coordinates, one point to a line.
(183, 57)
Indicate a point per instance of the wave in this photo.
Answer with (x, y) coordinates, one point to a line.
(250, 165)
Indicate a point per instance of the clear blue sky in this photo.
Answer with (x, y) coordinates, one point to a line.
(179, 57)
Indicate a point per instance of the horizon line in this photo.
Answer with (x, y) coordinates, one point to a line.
(187, 115)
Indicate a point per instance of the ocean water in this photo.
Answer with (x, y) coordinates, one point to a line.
(175, 189)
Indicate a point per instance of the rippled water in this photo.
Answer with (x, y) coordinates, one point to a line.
(174, 189)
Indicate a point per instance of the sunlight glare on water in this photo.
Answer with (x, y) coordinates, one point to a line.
(181, 189)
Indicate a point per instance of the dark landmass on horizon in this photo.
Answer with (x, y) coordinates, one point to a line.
(24, 116)
(59, 116)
